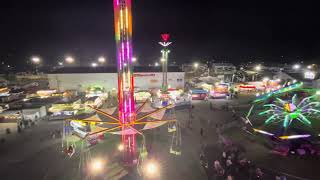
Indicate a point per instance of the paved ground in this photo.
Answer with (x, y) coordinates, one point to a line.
(34, 155)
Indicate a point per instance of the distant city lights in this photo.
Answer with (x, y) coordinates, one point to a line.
(69, 60)
(196, 65)
(134, 59)
(266, 79)
(94, 64)
(35, 60)
(296, 66)
(156, 64)
(101, 59)
(258, 68)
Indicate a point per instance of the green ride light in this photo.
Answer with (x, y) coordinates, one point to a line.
(286, 111)
(294, 115)
(279, 91)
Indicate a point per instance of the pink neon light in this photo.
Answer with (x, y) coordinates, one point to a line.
(125, 78)
(128, 52)
(119, 61)
(165, 37)
(295, 136)
(122, 51)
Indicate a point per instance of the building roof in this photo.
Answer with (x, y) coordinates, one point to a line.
(110, 69)
(67, 100)
(222, 64)
(300, 77)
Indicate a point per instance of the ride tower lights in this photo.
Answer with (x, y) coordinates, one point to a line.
(126, 106)
(164, 60)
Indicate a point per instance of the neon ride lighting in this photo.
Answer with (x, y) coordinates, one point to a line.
(123, 36)
(279, 91)
(263, 132)
(286, 111)
(165, 37)
(295, 136)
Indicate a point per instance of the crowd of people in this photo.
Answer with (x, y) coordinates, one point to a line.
(232, 164)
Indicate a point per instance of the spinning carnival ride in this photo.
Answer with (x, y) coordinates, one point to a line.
(287, 109)
(130, 121)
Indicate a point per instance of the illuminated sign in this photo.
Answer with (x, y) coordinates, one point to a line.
(248, 86)
(309, 75)
(144, 74)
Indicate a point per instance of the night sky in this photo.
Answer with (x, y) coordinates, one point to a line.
(201, 30)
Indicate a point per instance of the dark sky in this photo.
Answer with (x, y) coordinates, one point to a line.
(201, 30)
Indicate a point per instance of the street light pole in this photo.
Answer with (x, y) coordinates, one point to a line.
(36, 61)
(257, 68)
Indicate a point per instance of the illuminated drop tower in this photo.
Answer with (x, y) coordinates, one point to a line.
(123, 35)
(164, 60)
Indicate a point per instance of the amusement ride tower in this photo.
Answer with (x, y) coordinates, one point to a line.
(164, 60)
(126, 106)
(130, 121)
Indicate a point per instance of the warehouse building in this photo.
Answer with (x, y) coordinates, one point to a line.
(81, 78)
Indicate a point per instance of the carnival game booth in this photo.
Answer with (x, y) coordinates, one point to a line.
(9, 120)
(246, 88)
(204, 86)
(34, 113)
(4, 91)
(7, 126)
(141, 96)
(184, 101)
(66, 108)
(179, 97)
(11, 115)
(46, 93)
(12, 95)
(161, 100)
(43, 94)
(252, 87)
(272, 85)
(220, 90)
(198, 94)
(96, 91)
(259, 87)
(175, 94)
(94, 101)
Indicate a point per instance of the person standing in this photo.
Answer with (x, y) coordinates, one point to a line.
(201, 132)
